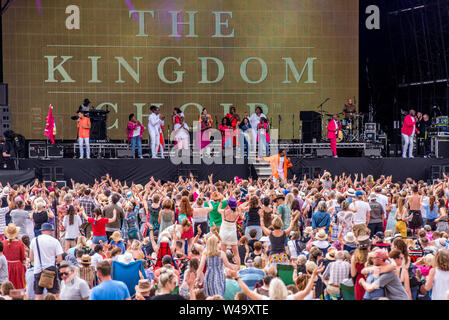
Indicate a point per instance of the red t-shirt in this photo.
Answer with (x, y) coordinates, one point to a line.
(98, 226)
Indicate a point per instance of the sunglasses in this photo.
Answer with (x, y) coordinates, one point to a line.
(65, 273)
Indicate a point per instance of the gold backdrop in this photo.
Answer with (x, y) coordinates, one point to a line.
(308, 50)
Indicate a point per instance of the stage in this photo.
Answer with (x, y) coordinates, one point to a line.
(141, 170)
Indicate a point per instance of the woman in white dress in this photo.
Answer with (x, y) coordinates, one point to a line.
(228, 228)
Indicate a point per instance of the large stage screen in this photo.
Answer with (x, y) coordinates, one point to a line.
(287, 56)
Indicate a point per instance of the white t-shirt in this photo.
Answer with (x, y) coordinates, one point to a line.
(362, 208)
(281, 164)
(136, 132)
(95, 258)
(182, 134)
(383, 200)
(49, 248)
(425, 201)
(254, 120)
(72, 231)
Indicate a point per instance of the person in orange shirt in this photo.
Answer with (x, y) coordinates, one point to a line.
(279, 165)
(83, 134)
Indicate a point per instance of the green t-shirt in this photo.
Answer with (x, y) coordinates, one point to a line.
(214, 215)
(286, 214)
(231, 289)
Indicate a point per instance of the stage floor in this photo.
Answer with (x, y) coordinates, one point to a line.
(140, 170)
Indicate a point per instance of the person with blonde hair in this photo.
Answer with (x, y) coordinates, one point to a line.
(216, 260)
(438, 279)
(136, 250)
(401, 217)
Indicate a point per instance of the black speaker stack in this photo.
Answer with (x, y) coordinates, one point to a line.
(311, 126)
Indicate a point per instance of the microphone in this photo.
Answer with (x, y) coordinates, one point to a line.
(280, 118)
(327, 99)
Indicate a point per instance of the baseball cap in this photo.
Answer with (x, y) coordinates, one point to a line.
(359, 193)
(381, 254)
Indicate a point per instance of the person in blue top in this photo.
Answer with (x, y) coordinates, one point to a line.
(244, 136)
(117, 241)
(431, 212)
(108, 289)
(320, 218)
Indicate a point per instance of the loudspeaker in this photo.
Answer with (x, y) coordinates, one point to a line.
(324, 153)
(59, 174)
(55, 151)
(435, 172)
(125, 154)
(36, 150)
(311, 130)
(442, 148)
(309, 116)
(372, 152)
(47, 173)
(370, 127)
(3, 94)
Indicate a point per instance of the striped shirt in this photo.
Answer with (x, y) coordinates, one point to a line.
(337, 272)
(3, 212)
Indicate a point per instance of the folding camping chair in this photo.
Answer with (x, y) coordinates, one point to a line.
(346, 292)
(285, 273)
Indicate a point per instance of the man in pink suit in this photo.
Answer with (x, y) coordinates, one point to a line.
(408, 132)
(332, 133)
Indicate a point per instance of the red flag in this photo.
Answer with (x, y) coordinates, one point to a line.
(50, 126)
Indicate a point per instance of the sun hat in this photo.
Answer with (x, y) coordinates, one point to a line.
(143, 286)
(85, 259)
(264, 239)
(116, 236)
(252, 189)
(125, 258)
(363, 241)
(321, 235)
(308, 230)
(11, 231)
(372, 196)
(330, 255)
(232, 203)
(47, 227)
(349, 237)
(350, 192)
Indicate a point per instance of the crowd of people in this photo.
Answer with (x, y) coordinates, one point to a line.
(328, 238)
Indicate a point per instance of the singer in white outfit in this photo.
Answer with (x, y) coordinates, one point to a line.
(155, 121)
(254, 120)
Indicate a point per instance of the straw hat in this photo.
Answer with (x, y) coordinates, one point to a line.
(116, 237)
(11, 231)
(308, 230)
(349, 237)
(252, 189)
(321, 235)
(330, 255)
(350, 192)
(85, 259)
(143, 286)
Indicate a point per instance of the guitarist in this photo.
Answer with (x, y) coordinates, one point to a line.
(333, 128)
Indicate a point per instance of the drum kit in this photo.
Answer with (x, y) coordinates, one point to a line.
(351, 125)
